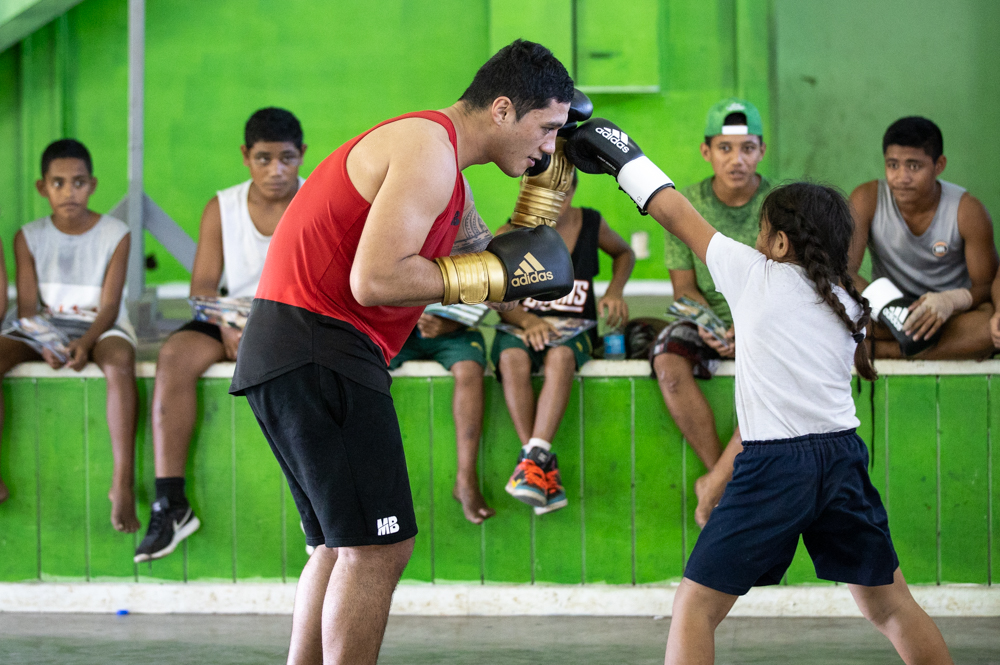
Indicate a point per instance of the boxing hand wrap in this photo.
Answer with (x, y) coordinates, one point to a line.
(600, 146)
(543, 190)
(520, 264)
(472, 278)
(942, 305)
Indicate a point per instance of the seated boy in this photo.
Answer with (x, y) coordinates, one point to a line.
(536, 480)
(72, 266)
(933, 240)
(730, 200)
(236, 228)
(461, 350)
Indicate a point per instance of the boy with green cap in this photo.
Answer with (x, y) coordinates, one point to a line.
(730, 200)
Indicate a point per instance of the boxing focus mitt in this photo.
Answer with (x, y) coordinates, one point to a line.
(515, 265)
(890, 307)
(600, 146)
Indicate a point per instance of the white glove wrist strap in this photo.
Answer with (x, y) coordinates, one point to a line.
(641, 178)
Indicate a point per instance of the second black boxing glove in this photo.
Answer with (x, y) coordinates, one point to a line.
(600, 146)
(527, 262)
(536, 261)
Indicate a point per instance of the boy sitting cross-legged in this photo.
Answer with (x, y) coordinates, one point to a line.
(71, 265)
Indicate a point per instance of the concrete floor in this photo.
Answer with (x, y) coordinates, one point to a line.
(216, 639)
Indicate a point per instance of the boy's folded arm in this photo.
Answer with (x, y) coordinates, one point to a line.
(676, 214)
(208, 258)
(26, 279)
(111, 294)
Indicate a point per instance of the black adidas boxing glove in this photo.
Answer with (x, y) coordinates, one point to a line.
(519, 264)
(536, 262)
(600, 146)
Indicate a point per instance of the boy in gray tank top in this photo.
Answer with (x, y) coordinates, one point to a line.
(71, 267)
(933, 240)
(272, 150)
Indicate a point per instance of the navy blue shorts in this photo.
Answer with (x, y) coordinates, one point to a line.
(815, 485)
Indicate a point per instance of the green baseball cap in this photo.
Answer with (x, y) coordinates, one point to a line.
(717, 115)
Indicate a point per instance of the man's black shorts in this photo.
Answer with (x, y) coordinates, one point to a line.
(339, 445)
(815, 485)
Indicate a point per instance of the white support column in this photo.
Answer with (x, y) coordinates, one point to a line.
(136, 76)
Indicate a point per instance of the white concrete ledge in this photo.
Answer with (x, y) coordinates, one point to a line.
(473, 600)
(594, 368)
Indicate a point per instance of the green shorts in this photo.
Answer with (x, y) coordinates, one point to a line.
(580, 344)
(447, 349)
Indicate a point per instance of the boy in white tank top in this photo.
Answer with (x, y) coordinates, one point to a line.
(71, 265)
(933, 240)
(236, 229)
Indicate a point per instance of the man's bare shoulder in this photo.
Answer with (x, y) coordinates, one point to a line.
(973, 215)
(864, 199)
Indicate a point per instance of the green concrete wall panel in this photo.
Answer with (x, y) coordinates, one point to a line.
(719, 393)
(19, 470)
(412, 398)
(558, 552)
(607, 510)
(659, 493)
(211, 556)
(911, 494)
(963, 476)
(993, 387)
(549, 23)
(507, 536)
(257, 511)
(62, 479)
(171, 568)
(457, 542)
(611, 54)
(878, 450)
(109, 552)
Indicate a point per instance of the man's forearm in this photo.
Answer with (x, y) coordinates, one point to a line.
(621, 270)
(413, 282)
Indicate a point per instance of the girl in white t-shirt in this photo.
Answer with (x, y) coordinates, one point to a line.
(802, 469)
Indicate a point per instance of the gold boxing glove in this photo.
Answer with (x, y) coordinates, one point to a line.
(541, 196)
(472, 278)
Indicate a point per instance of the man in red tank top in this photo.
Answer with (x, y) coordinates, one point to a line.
(384, 226)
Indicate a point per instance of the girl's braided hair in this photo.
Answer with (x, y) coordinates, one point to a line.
(819, 226)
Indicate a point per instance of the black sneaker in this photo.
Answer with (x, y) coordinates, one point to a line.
(167, 528)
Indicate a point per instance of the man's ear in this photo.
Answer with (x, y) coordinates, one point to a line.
(302, 151)
(939, 165)
(40, 186)
(245, 151)
(763, 148)
(706, 152)
(502, 110)
(93, 185)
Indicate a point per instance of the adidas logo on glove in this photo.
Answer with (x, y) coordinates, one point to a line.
(617, 137)
(530, 271)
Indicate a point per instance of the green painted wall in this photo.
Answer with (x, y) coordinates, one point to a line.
(630, 482)
(829, 77)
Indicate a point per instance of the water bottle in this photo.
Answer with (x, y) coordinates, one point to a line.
(614, 345)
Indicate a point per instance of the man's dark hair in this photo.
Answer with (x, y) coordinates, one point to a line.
(915, 132)
(525, 72)
(735, 118)
(66, 149)
(273, 124)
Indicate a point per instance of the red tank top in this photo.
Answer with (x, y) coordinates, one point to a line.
(312, 250)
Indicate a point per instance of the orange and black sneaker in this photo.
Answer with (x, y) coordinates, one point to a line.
(528, 483)
(555, 496)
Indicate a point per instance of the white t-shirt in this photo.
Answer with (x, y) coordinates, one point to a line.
(70, 268)
(793, 353)
(244, 248)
